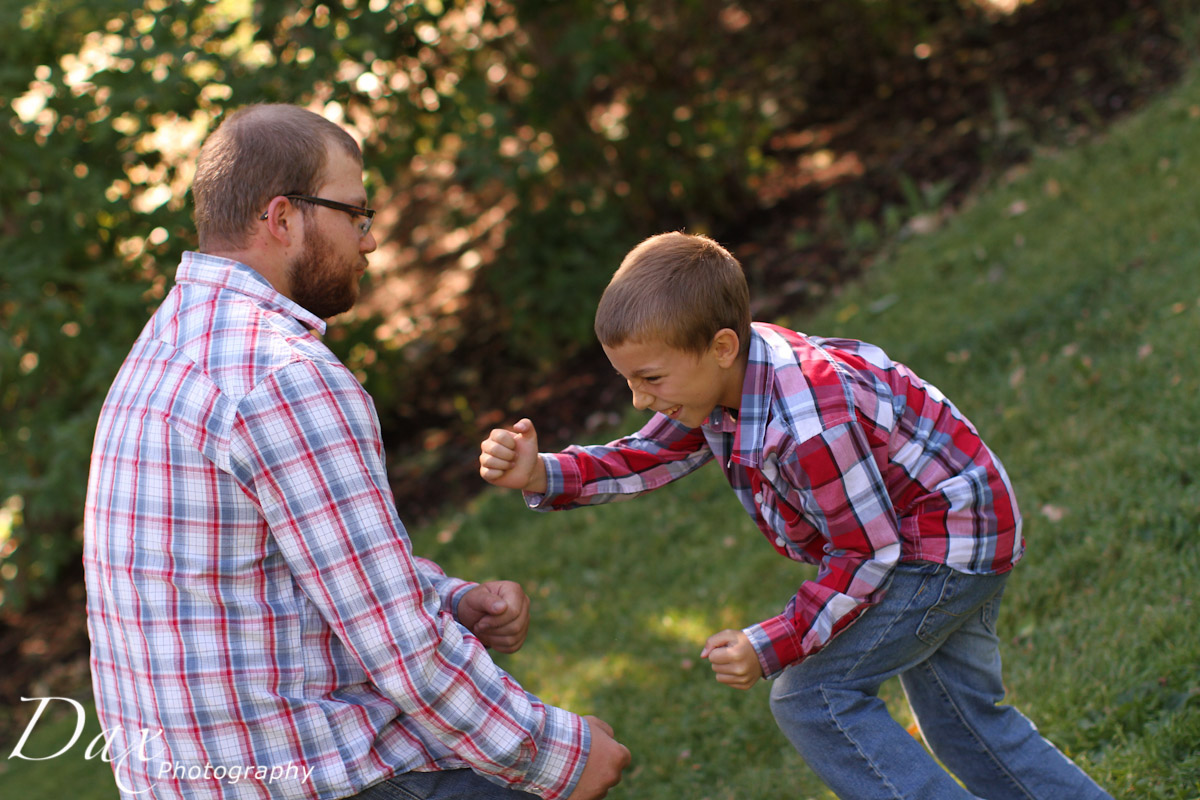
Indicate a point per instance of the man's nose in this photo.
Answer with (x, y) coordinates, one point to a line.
(367, 244)
(641, 400)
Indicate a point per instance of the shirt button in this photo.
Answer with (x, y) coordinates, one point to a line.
(779, 541)
(758, 498)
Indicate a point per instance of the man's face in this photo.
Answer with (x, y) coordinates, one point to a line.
(324, 277)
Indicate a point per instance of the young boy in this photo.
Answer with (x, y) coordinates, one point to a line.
(844, 459)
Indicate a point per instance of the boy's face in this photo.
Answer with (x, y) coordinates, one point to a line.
(679, 384)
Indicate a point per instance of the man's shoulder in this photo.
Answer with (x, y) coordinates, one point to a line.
(206, 354)
(237, 341)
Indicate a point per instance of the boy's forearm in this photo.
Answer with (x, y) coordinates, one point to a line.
(583, 475)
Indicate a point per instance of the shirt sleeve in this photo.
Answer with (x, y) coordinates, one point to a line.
(661, 452)
(450, 590)
(307, 449)
(837, 484)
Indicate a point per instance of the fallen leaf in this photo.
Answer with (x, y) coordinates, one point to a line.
(958, 356)
(883, 303)
(1053, 513)
(923, 224)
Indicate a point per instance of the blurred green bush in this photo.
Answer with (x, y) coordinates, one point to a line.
(526, 143)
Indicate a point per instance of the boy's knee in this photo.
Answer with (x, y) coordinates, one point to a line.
(803, 714)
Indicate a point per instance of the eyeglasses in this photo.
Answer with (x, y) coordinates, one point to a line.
(368, 214)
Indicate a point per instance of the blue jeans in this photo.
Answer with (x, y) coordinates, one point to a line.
(936, 629)
(454, 784)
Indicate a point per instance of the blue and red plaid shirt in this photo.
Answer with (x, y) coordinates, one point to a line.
(253, 598)
(843, 458)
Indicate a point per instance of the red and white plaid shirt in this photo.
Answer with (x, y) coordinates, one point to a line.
(843, 458)
(254, 605)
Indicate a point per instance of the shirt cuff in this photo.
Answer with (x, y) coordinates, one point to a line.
(559, 474)
(452, 593)
(450, 590)
(777, 645)
(562, 753)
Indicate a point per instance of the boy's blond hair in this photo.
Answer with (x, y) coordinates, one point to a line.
(678, 289)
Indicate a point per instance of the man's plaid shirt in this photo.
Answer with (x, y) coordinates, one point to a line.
(253, 598)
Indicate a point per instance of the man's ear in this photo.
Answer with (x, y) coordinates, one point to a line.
(725, 347)
(282, 219)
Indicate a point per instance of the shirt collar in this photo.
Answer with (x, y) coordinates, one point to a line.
(750, 425)
(234, 276)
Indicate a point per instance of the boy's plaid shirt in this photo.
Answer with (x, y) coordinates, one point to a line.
(844, 459)
(253, 598)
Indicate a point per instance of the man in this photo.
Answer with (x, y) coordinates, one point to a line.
(260, 626)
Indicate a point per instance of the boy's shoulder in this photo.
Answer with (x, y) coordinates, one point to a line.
(802, 386)
(782, 350)
(829, 357)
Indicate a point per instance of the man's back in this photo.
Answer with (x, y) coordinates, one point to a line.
(176, 543)
(253, 598)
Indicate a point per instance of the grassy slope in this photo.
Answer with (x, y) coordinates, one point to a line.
(1061, 312)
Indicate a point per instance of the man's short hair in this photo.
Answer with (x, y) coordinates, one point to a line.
(259, 152)
(678, 289)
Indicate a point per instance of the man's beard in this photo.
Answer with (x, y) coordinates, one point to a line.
(318, 283)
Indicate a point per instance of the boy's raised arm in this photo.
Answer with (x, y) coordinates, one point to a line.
(509, 458)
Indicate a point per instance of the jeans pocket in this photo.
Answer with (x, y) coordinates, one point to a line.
(945, 614)
(991, 611)
(960, 597)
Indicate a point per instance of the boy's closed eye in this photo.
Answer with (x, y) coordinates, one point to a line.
(640, 378)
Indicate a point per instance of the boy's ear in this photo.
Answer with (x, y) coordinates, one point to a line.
(725, 347)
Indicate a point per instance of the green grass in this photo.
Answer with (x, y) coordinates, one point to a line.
(1061, 312)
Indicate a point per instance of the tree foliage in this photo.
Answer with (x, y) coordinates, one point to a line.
(514, 147)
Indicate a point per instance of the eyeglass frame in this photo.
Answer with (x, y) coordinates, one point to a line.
(354, 211)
